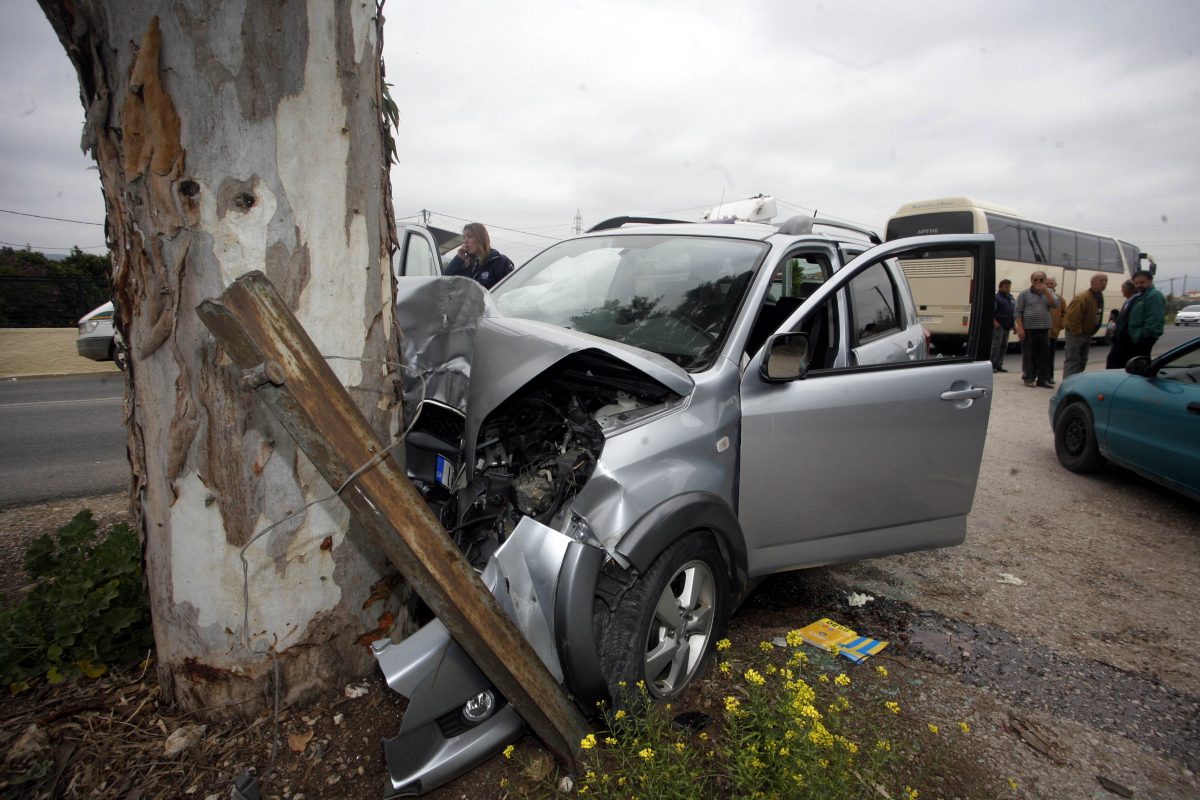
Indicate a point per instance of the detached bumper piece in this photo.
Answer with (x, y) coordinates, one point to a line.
(422, 759)
(456, 719)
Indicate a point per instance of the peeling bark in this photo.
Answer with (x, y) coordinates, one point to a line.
(233, 136)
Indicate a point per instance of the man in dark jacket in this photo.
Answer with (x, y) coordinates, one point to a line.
(1143, 323)
(477, 260)
(1002, 319)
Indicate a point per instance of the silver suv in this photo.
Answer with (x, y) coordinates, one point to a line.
(640, 423)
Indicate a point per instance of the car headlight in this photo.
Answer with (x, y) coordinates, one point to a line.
(88, 326)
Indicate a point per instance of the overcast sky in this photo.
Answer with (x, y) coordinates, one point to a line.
(1083, 114)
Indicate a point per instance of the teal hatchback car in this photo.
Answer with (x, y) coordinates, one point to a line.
(1145, 417)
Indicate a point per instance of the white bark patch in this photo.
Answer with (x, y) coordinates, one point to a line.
(364, 27)
(206, 571)
(240, 239)
(312, 153)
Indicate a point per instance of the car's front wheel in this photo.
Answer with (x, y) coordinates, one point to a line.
(666, 626)
(1075, 439)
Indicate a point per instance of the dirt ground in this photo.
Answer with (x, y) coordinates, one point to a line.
(32, 352)
(1086, 669)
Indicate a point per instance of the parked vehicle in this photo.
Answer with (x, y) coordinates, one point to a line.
(1188, 315)
(639, 424)
(96, 334)
(1073, 257)
(422, 250)
(1145, 417)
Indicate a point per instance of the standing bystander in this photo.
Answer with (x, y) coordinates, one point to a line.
(1147, 313)
(1002, 322)
(1033, 319)
(1057, 316)
(1115, 351)
(1083, 318)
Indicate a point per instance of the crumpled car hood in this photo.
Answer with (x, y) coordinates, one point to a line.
(473, 358)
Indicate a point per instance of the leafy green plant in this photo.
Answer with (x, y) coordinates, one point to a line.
(88, 608)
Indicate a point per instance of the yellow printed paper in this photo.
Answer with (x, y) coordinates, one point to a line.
(826, 634)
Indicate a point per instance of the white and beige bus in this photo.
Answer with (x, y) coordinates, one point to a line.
(942, 287)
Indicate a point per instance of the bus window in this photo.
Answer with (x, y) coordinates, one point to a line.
(1035, 243)
(1087, 253)
(1110, 259)
(1062, 248)
(1131, 257)
(1008, 237)
(931, 224)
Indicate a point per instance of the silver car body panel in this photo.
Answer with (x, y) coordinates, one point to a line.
(439, 677)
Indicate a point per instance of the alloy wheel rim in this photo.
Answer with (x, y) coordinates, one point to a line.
(680, 629)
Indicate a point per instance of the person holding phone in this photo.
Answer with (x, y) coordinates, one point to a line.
(477, 260)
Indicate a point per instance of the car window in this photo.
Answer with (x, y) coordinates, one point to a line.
(1184, 368)
(795, 279)
(418, 258)
(874, 305)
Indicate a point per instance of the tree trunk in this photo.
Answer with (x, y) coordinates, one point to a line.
(234, 136)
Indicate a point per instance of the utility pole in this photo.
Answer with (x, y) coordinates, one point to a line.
(578, 229)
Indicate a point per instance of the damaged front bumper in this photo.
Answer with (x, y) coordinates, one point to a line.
(455, 718)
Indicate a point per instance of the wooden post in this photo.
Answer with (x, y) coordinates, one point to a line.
(261, 335)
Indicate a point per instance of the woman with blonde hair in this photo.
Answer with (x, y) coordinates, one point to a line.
(477, 260)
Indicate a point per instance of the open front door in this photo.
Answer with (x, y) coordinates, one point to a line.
(879, 453)
(418, 254)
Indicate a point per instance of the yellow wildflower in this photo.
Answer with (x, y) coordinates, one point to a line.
(882, 745)
(724, 667)
(754, 678)
(621, 781)
(641, 684)
(824, 679)
(771, 669)
(882, 671)
(893, 707)
(842, 680)
(508, 751)
(756, 764)
(789, 735)
(679, 747)
(620, 714)
(503, 782)
(912, 793)
(786, 673)
(609, 740)
(783, 751)
(731, 705)
(647, 754)
(964, 727)
(833, 650)
(1012, 783)
(588, 742)
(704, 736)
(766, 647)
(933, 728)
(724, 644)
(794, 639)
(621, 684)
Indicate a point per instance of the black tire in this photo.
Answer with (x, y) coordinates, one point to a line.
(636, 631)
(1075, 439)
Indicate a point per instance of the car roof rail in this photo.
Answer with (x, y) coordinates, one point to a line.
(616, 222)
(802, 225)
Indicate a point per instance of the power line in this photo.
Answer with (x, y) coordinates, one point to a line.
(501, 227)
(56, 219)
(39, 247)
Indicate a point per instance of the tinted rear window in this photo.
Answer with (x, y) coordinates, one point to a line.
(1008, 237)
(931, 224)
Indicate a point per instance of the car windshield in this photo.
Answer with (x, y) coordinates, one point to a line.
(672, 295)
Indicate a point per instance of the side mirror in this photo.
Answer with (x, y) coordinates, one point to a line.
(1138, 365)
(787, 358)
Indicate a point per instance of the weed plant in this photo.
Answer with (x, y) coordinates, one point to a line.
(87, 609)
(789, 729)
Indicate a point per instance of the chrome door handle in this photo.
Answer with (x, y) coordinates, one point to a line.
(965, 394)
(913, 348)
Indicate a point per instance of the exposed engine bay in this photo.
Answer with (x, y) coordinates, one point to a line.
(535, 451)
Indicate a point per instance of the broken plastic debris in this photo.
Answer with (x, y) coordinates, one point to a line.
(827, 634)
(184, 738)
(245, 787)
(1009, 578)
(357, 691)
(1114, 787)
(779, 641)
(691, 720)
(566, 784)
(857, 600)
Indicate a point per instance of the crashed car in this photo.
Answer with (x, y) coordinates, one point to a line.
(641, 423)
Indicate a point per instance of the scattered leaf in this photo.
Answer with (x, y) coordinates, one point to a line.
(299, 741)
(183, 739)
(539, 767)
(32, 741)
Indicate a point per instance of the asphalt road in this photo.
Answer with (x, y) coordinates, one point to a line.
(61, 437)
